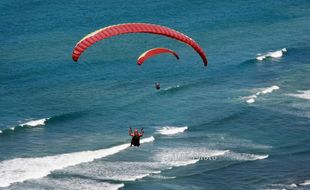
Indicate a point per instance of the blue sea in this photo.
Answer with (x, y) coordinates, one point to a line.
(242, 122)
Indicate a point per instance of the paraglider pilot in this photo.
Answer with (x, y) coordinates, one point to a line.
(157, 86)
(135, 141)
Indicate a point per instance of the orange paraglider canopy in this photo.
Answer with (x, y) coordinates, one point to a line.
(152, 52)
(114, 30)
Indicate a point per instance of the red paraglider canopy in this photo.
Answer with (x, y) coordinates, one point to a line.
(152, 52)
(114, 30)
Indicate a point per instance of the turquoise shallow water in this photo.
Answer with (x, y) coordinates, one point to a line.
(240, 123)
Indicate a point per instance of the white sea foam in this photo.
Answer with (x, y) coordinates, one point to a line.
(189, 157)
(249, 99)
(162, 177)
(147, 140)
(21, 169)
(118, 171)
(183, 163)
(293, 185)
(35, 123)
(303, 94)
(169, 130)
(171, 87)
(75, 183)
(268, 90)
(252, 98)
(185, 156)
(273, 54)
(12, 128)
(164, 159)
(290, 186)
(305, 183)
(1, 132)
(244, 156)
(281, 186)
(225, 141)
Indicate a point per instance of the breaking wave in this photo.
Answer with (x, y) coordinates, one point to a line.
(163, 159)
(35, 123)
(41, 122)
(21, 169)
(303, 94)
(290, 186)
(305, 183)
(31, 123)
(252, 98)
(272, 54)
(161, 177)
(169, 130)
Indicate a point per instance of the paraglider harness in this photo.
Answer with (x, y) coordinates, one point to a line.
(135, 141)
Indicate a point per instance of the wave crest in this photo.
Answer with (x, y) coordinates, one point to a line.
(35, 123)
(252, 98)
(170, 130)
(272, 54)
(31, 123)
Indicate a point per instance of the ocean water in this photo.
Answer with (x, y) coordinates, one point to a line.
(240, 123)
